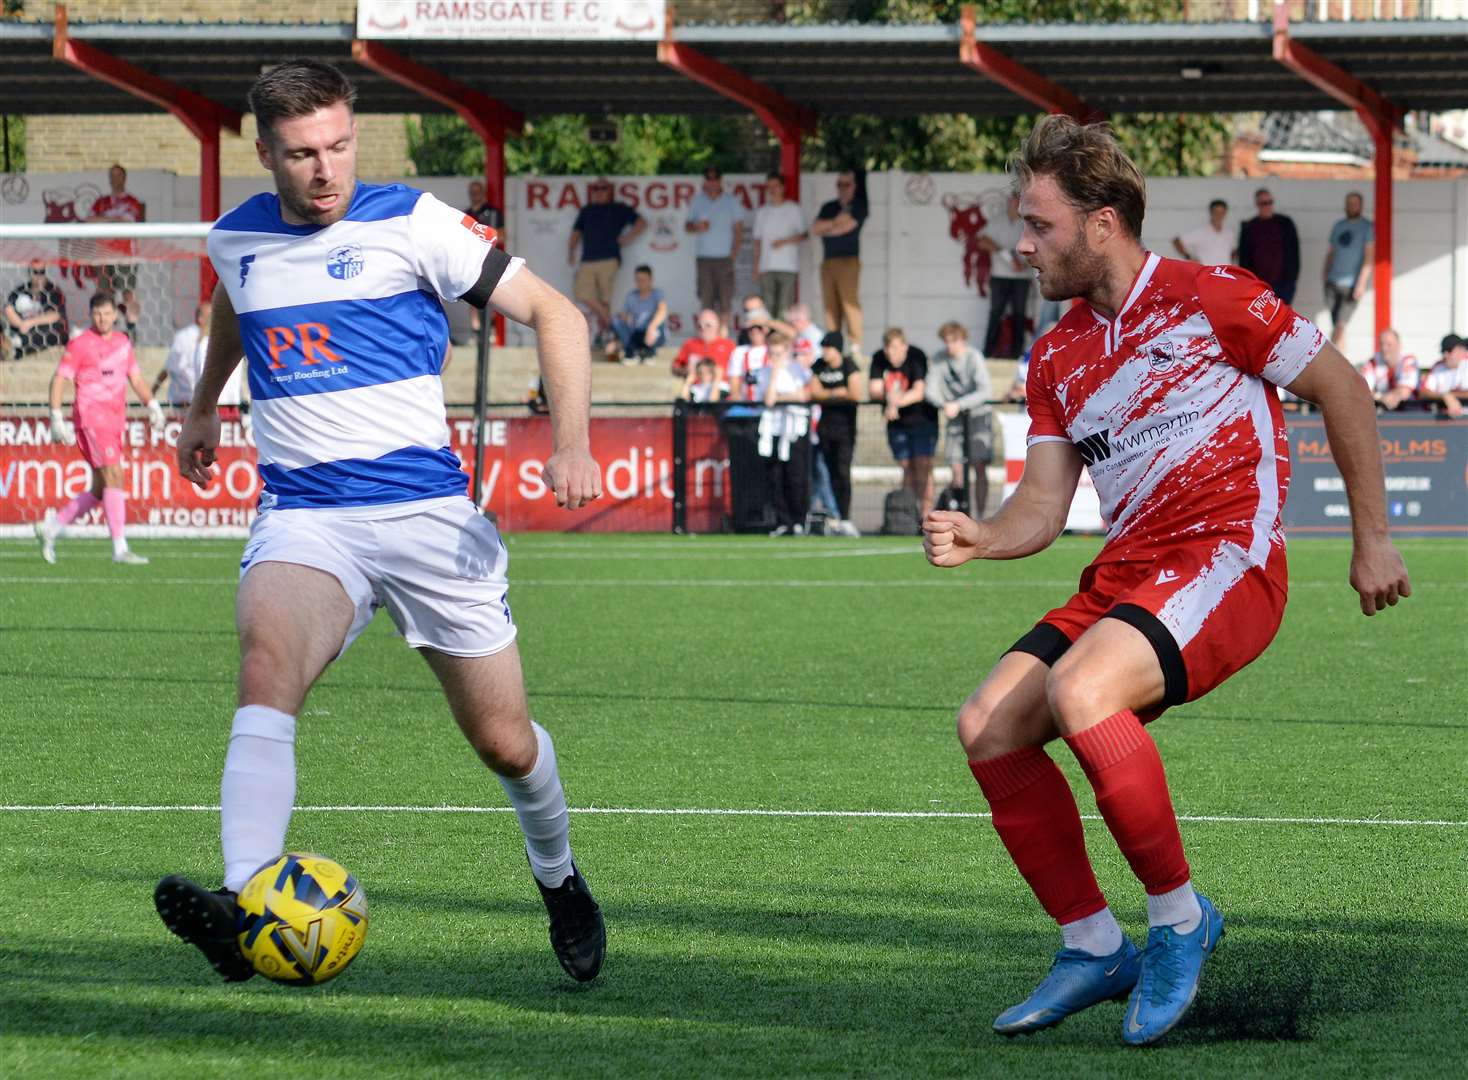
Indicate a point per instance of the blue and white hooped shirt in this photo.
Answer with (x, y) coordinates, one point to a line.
(344, 338)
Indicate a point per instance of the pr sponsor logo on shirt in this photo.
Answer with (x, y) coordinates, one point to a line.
(1264, 307)
(345, 262)
(482, 231)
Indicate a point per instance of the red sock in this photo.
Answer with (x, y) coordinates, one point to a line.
(1123, 765)
(1035, 815)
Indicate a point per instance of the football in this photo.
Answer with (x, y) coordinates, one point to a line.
(302, 919)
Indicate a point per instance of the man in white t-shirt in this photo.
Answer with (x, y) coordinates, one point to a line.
(1211, 243)
(779, 228)
(186, 358)
(1009, 279)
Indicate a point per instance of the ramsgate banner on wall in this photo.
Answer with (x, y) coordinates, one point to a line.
(565, 20)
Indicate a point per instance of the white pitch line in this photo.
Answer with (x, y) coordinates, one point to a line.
(963, 815)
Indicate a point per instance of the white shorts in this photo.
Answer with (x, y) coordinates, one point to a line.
(438, 566)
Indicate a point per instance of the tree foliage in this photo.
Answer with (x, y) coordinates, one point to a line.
(443, 145)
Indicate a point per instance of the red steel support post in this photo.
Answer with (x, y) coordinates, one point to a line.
(204, 118)
(488, 118)
(1014, 76)
(788, 121)
(1381, 118)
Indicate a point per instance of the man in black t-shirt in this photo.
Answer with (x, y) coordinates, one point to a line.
(602, 228)
(839, 226)
(35, 316)
(836, 385)
(899, 380)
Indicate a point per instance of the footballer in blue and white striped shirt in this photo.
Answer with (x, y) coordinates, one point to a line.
(330, 290)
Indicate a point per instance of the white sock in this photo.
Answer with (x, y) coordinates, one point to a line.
(1098, 934)
(540, 804)
(119, 546)
(257, 792)
(1178, 909)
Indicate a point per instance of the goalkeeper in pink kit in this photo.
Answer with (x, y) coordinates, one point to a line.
(102, 365)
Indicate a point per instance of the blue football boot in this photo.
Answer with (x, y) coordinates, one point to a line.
(1171, 967)
(1077, 980)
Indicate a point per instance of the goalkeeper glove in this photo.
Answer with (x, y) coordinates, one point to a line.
(62, 430)
(155, 414)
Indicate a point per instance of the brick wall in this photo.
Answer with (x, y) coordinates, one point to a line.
(75, 143)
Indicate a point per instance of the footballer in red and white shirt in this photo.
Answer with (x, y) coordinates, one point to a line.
(1162, 383)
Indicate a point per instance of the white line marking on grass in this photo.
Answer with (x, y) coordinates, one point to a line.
(965, 815)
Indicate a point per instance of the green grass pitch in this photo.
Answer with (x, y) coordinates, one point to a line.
(725, 674)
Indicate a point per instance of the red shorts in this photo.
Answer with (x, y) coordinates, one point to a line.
(100, 439)
(1207, 609)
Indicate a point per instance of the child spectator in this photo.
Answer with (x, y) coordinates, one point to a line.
(641, 324)
(784, 434)
(958, 386)
(704, 385)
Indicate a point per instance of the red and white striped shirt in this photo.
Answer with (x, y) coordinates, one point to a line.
(1172, 405)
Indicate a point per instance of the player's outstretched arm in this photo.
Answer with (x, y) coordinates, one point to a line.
(198, 439)
(565, 372)
(1029, 521)
(1378, 573)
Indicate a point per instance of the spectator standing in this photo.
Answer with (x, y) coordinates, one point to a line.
(118, 206)
(1212, 243)
(1447, 382)
(839, 224)
(1348, 265)
(709, 343)
(898, 379)
(1269, 247)
(836, 386)
(1392, 377)
(186, 358)
(484, 214)
(641, 325)
(779, 229)
(717, 222)
(784, 434)
(958, 387)
(35, 315)
(1009, 278)
(746, 361)
(705, 384)
(602, 228)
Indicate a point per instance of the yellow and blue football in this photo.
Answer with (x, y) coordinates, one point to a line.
(302, 919)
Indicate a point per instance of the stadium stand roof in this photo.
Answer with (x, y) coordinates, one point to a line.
(841, 69)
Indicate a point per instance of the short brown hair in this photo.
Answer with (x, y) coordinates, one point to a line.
(297, 88)
(777, 337)
(953, 327)
(1087, 165)
(891, 334)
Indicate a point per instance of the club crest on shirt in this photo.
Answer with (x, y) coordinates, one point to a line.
(345, 262)
(1161, 354)
(1264, 306)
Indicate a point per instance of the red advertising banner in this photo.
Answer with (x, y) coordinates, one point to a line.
(37, 477)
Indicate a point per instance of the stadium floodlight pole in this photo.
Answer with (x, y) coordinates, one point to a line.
(1381, 118)
(787, 121)
(199, 114)
(1014, 76)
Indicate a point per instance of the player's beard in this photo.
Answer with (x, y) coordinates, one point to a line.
(1076, 271)
(299, 202)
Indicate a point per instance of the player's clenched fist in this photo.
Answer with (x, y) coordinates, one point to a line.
(574, 476)
(949, 538)
(197, 441)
